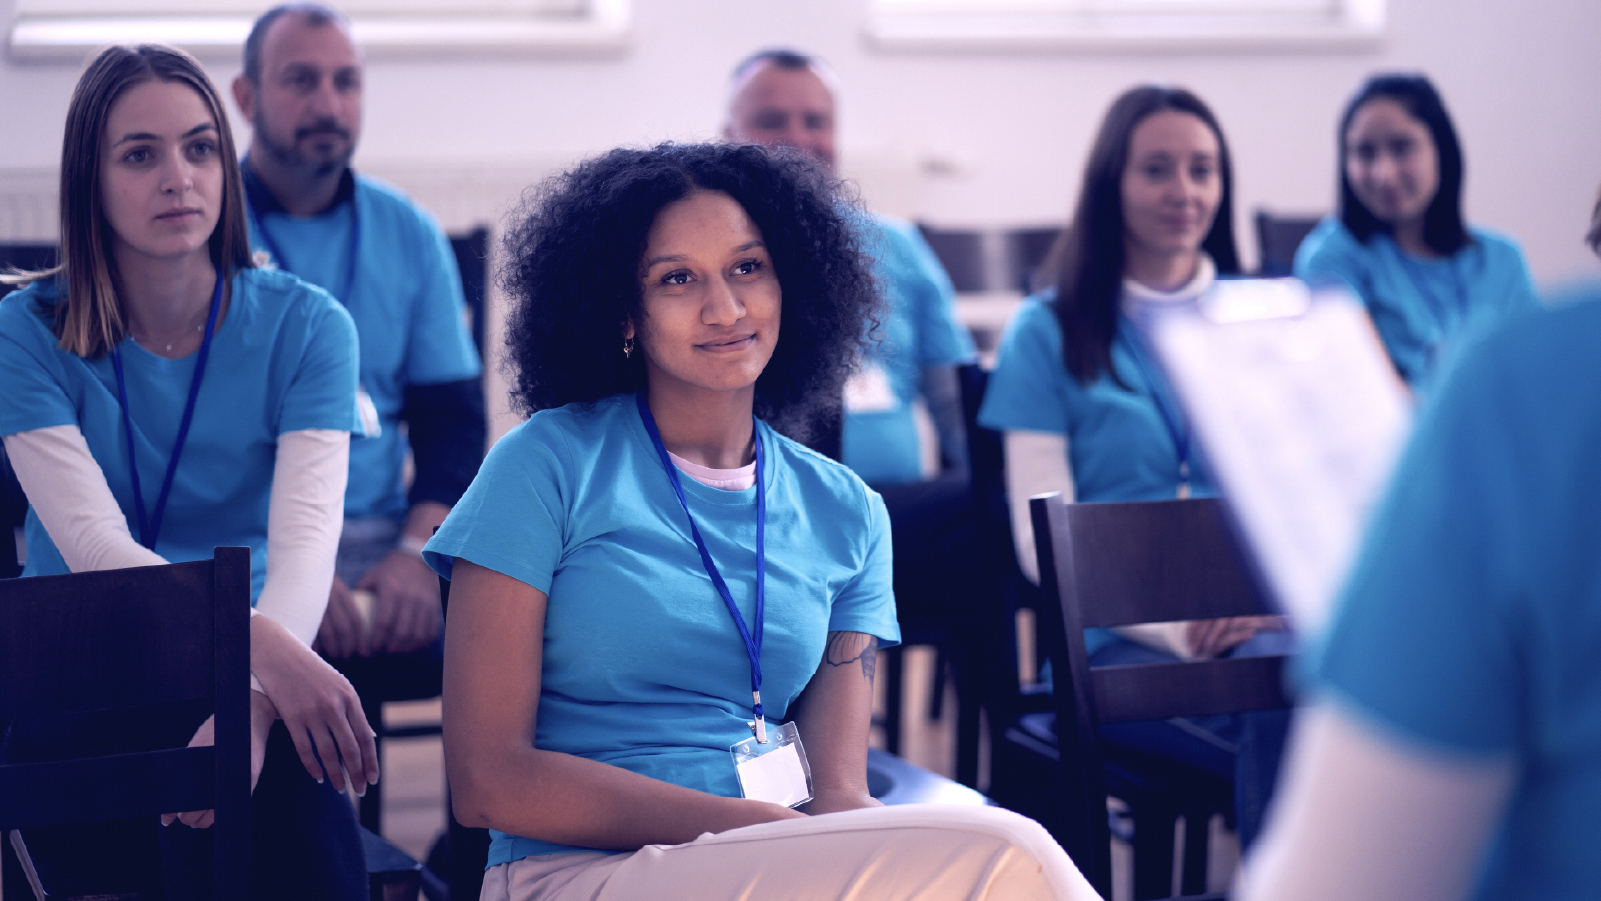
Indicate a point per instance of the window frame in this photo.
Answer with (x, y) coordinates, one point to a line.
(599, 27)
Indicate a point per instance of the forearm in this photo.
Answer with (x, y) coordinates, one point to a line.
(834, 718)
(68, 492)
(575, 801)
(446, 427)
(944, 397)
(304, 517)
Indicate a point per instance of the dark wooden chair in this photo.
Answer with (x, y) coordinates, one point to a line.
(1277, 238)
(121, 639)
(1121, 564)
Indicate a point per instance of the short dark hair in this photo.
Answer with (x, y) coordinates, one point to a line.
(778, 57)
(1443, 229)
(574, 253)
(315, 14)
(1090, 253)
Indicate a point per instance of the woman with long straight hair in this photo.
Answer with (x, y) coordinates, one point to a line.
(1083, 404)
(163, 397)
(1399, 240)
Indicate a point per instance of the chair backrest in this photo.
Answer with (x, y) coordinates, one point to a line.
(1277, 237)
(133, 638)
(1120, 564)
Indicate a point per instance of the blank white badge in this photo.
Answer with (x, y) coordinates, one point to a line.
(775, 772)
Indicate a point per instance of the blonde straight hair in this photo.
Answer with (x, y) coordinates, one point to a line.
(89, 319)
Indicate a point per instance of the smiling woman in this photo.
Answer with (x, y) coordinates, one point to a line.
(665, 612)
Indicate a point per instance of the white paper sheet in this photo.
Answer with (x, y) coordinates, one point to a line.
(1301, 416)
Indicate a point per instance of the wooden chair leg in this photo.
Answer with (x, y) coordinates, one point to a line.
(1153, 853)
(371, 807)
(1197, 836)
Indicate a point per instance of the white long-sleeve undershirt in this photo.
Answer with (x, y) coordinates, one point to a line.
(68, 491)
(1362, 814)
(1037, 463)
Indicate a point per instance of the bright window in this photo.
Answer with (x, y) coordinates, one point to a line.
(70, 29)
(1010, 25)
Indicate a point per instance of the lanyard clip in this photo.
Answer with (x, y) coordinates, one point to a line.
(760, 725)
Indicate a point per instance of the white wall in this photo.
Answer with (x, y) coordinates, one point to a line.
(981, 139)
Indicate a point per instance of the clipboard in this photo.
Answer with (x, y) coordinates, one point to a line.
(1302, 418)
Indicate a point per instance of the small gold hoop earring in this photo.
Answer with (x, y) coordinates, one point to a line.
(628, 348)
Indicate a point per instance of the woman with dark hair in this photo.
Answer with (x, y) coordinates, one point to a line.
(1083, 404)
(649, 576)
(1399, 241)
(134, 451)
(1451, 743)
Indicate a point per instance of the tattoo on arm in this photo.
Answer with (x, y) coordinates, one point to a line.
(849, 647)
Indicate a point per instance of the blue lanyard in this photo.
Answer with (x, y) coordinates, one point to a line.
(753, 641)
(1181, 437)
(150, 527)
(282, 262)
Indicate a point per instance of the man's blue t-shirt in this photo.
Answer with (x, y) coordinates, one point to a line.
(879, 439)
(405, 297)
(283, 359)
(1119, 443)
(1421, 308)
(1471, 622)
(643, 667)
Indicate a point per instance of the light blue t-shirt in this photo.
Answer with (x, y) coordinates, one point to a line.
(643, 667)
(1471, 622)
(407, 303)
(282, 360)
(1420, 306)
(881, 445)
(1119, 445)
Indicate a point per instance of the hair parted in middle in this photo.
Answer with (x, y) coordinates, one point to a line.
(1090, 255)
(89, 320)
(573, 273)
(1443, 228)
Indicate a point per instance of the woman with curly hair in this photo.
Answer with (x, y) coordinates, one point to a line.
(663, 605)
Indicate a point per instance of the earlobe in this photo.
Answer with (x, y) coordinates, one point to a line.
(244, 95)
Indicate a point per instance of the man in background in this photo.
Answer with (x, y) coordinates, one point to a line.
(782, 97)
(786, 98)
(387, 261)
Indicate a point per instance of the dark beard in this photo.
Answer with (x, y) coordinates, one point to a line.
(289, 156)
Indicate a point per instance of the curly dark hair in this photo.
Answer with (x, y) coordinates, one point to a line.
(575, 247)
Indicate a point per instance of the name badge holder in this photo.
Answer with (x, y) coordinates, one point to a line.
(771, 766)
(776, 771)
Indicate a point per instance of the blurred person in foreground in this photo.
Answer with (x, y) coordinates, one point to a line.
(386, 261)
(1453, 745)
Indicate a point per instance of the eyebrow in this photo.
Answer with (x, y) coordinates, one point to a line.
(147, 136)
(679, 258)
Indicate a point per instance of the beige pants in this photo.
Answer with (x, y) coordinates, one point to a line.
(923, 852)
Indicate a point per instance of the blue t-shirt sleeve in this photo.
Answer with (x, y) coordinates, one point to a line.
(1424, 636)
(322, 392)
(941, 340)
(1020, 395)
(1330, 255)
(513, 517)
(34, 396)
(1520, 292)
(867, 602)
(440, 348)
